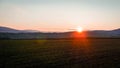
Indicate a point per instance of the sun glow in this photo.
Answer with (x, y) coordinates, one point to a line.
(79, 29)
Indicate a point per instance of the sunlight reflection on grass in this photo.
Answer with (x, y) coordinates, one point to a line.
(40, 42)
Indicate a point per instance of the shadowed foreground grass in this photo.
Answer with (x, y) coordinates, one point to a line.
(76, 53)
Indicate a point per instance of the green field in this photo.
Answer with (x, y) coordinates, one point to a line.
(73, 53)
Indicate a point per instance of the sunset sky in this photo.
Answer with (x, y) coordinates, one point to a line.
(60, 15)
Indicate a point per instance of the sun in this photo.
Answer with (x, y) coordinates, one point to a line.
(79, 29)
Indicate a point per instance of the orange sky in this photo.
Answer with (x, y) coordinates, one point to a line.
(60, 15)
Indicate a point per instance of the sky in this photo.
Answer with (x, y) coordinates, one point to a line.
(60, 15)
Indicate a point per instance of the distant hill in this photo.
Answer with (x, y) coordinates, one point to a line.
(104, 33)
(9, 33)
(11, 30)
(8, 30)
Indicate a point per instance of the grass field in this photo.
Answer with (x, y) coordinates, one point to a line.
(73, 53)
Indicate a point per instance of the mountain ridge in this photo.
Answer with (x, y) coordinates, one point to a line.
(9, 33)
(12, 30)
